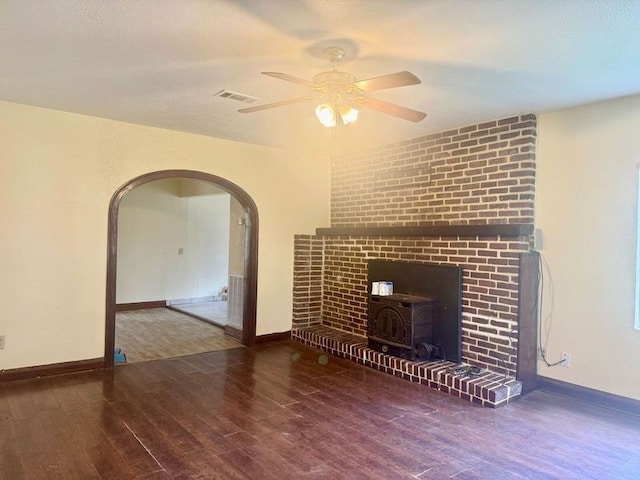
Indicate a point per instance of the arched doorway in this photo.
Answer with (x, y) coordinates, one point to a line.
(251, 251)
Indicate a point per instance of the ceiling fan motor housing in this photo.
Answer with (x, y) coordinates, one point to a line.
(337, 87)
(334, 78)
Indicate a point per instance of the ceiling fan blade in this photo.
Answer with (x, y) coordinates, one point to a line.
(281, 103)
(392, 80)
(290, 78)
(392, 109)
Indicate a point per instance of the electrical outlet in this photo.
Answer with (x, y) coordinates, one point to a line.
(1, 342)
(566, 359)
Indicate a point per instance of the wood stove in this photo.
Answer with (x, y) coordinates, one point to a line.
(423, 319)
(401, 325)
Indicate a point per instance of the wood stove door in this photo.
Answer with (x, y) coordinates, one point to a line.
(389, 324)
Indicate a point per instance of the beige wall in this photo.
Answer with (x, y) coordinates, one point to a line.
(586, 209)
(171, 246)
(152, 225)
(58, 172)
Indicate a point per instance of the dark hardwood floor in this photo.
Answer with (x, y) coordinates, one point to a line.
(281, 412)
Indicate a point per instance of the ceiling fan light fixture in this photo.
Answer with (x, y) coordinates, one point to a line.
(348, 114)
(326, 115)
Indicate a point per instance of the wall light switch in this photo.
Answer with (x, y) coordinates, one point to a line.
(1, 342)
(180, 251)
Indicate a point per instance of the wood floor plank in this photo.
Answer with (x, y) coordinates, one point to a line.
(10, 461)
(106, 460)
(243, 462)
(203, 464)
(21, 402)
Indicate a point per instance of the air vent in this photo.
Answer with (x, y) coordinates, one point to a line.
(240, 97)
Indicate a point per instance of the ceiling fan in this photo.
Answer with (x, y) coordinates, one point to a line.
(341, 95)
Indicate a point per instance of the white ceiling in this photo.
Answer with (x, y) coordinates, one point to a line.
(159, 62)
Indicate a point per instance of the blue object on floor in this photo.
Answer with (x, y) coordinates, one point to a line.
(119, 356)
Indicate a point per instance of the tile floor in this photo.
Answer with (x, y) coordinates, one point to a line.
(155, 333)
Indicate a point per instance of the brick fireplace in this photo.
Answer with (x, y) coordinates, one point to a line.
(461, 197)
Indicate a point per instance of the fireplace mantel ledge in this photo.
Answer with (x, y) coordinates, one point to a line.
(482, 230)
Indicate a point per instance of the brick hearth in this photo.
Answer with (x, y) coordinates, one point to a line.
(487, 389)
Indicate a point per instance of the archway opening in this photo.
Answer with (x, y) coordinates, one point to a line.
(249, 287)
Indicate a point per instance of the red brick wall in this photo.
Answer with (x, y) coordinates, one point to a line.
(481, 174)
(473, 175)
(489, 286)
(307, 280)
